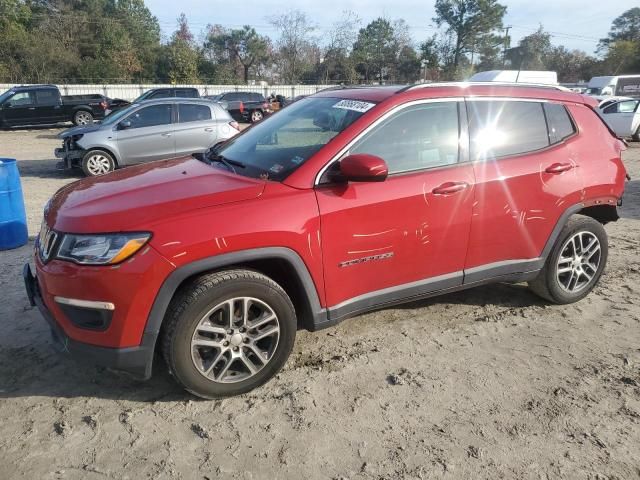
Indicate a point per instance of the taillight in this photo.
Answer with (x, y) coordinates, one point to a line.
(241, 107)
(235, 125)
(104, 105)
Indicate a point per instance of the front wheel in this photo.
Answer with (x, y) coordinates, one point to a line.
(228, 332)
(575, 263)
(82, 117)
(97, 162)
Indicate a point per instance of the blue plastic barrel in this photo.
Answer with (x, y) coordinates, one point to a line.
(13, 219)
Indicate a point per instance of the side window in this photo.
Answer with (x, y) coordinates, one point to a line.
(190, 112)
(559, 122)
(151, 116)
(230, 97)
(256, 97)
(186, 93)
(502, 128)
(160, 94)
(627, 106)
(22, 99)
(417, 137)
(47, 97)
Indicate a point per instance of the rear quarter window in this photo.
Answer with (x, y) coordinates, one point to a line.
(559, 122)
(191, 112)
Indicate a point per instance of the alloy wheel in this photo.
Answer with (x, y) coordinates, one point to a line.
(235, 340)
(98, 165)
(579, 261)
(256, 116)
(83, 118)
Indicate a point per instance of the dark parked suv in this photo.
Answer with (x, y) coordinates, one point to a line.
(346, 201)
(244, 106)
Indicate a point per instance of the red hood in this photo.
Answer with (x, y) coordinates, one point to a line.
(131, 198)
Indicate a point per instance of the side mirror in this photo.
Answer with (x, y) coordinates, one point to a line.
(124, 125)
(362, 167)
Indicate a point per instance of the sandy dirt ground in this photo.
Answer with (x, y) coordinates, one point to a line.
(489, 383)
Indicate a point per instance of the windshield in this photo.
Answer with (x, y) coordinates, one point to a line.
(6, 95)
(116, 116)
(278, 145)
(594, 91)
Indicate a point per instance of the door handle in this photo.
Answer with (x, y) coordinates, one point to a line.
(32, 108)
(208, 129)
(450, 187)
(557, 168)
(165, 134)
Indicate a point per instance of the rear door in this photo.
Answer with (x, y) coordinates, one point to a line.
(150, 135)
(621, 117)
(526, 177)
(49, 105)
(195, 130)
(407, 235)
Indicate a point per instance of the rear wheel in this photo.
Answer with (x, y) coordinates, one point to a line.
(575, 263)
(97, 162)
(636, 136)
(228, 332)
(256, 116)
(82, 117)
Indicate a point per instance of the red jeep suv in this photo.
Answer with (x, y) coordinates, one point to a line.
(344, 202)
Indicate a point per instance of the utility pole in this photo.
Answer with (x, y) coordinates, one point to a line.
(506, 43)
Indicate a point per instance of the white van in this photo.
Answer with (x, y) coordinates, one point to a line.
(516, 76)
(618, 85)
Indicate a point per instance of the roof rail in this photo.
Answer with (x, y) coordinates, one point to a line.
(486, 84)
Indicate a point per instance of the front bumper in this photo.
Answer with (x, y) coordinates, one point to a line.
(70, 156)
(137, 360)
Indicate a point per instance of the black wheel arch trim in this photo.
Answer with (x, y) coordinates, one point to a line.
(178, 276)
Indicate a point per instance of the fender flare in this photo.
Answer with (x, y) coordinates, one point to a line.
(179, 275)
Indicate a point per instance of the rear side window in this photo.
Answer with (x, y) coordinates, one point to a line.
(190, 112)
(160, 94)
(186, 93)
(230, 97)
(559, 122)
(256, 97)
(504, 128)
(47, 97)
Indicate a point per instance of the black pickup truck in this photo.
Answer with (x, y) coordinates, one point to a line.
(244, 106)
(43, 105)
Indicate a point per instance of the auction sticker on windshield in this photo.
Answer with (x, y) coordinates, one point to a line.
(355, 105)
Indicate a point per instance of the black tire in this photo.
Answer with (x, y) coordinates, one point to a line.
(548, 285)
(196, 300)
(97, 162)
(82, 117)
(256, 116)
(636, 136)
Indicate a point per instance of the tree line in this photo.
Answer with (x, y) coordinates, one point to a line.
(120, 41)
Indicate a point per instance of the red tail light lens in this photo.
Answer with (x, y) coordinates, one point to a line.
(235, 125)
(241, 107)
(104, 105)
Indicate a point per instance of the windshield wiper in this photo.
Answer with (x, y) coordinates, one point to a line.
(216, 157)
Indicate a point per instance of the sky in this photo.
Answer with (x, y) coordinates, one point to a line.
(576, 24)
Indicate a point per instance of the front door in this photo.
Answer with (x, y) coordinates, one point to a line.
(21, 109)
(149, 135)
(407, 235)
(620, 116)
